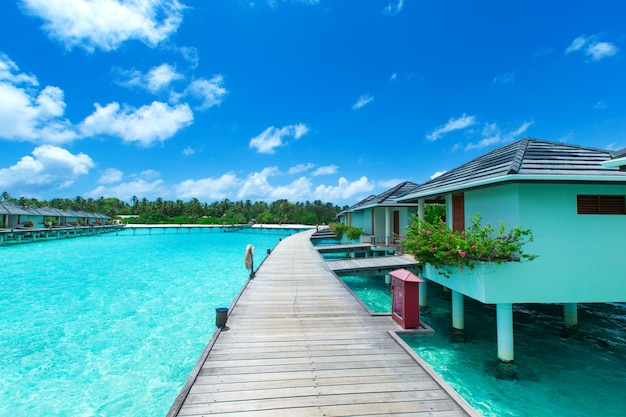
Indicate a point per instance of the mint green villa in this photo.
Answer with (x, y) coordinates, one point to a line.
(382, 217)
(573, 200)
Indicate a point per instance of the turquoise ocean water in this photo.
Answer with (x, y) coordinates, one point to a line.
(112, 325)
(555, 374)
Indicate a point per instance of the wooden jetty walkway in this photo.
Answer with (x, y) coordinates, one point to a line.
(297, 343)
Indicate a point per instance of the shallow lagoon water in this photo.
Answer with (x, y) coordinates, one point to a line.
(554, 374)
(112, 325)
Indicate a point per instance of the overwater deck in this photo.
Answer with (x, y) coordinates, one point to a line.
(375, 265)
(33, 234)
(297, 343)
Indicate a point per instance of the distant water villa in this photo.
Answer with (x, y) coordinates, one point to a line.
(28, 224)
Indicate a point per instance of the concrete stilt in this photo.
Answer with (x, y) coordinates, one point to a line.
(458, 315)
(570, 313)
(504, 318)
(387, 279)
(423, 294)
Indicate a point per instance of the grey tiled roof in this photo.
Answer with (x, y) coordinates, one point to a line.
(390, 196)
(14, 209)
(526, 159)
(386, 198)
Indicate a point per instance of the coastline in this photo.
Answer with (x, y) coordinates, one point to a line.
(217, 226)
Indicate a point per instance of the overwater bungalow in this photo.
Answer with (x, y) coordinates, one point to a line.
(572, 198)
(18, 223)
(382, 217)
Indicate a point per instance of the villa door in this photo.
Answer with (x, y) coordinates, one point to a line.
(458, 212)
(396, 223)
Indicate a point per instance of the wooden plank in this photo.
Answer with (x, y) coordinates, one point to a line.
(297, 343)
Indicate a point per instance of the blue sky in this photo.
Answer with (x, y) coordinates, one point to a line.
(305, 100)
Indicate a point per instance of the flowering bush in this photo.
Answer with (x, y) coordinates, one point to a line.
(435, 243)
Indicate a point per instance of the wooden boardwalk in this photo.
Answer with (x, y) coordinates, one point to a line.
(297, 343)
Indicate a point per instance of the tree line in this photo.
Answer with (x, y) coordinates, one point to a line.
(193, 211)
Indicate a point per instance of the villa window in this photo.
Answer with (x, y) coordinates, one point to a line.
(601, 204)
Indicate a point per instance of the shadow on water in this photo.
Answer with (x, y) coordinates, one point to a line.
(551, 362)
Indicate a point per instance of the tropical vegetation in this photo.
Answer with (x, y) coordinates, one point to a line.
(351, 232)
(162, 211)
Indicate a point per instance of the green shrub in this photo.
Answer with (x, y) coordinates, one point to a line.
(354, 233)
(179, 220)
(338, 229)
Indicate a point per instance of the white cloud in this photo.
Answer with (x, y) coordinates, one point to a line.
(453, 124)
(208, 188)
(208, 92)
(393, 8)
(298, 190)
(494, 135)
(272, 138)
(48, 166)
(188, 151)
(29, 114)
(257, 186)
(363, 101)
(437, 174)
(343, 190)
(156, 79)
(145, 126)
(106, 24)
(161, 77)
(274, 3)
(260, 186)
(592, 47)
(576, 45)
(300, 168)
(8, 70)
(325, 170)
(125, 191)
(111, 176)
(507, 78)
(600, 105)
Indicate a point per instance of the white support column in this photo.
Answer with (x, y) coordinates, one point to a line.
(387, 279)
(504, 319)
(420, 208)
(570, 313)
(388, 231)
(458, 315)
(423, 287)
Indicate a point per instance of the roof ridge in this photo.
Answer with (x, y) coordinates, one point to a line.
(519, 156)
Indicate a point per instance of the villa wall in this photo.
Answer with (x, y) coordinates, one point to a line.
(380, 215)
(581, 257)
